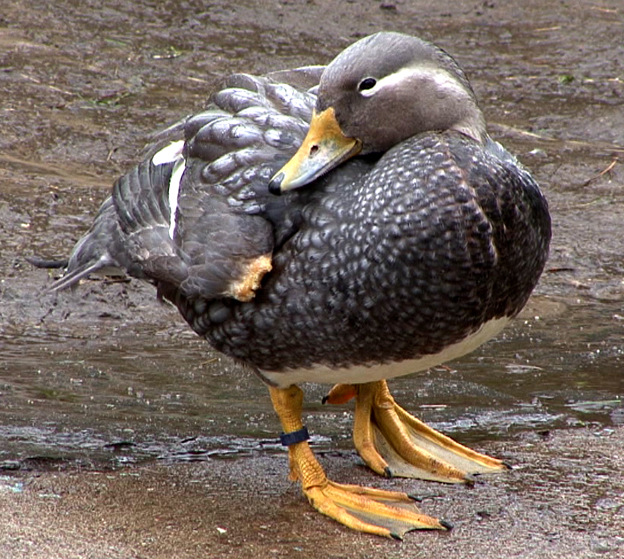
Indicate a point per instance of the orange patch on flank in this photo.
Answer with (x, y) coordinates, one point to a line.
(245, 289)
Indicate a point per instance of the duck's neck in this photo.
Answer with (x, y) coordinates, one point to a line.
(472, 125)
(447, 102)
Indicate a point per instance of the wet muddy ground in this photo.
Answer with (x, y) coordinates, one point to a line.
(124, 436)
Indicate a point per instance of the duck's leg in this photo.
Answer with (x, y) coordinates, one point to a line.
(394, 443)
(385, 513)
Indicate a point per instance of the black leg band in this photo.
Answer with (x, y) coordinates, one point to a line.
(295, 437)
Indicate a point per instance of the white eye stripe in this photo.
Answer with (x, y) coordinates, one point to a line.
(442, 79)
(390, 80)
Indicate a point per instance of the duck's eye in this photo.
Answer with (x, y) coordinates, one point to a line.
(367, 83)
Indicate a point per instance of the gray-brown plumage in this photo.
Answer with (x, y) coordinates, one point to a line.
(341, 224)
(391, 256)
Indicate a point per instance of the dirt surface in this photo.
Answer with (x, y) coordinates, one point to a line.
(565, 501)
(123, 436)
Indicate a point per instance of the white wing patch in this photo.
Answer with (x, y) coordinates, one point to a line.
(169, 154)
(174, 192)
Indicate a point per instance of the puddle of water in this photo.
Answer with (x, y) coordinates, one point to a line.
(8, 484)
(117, 395)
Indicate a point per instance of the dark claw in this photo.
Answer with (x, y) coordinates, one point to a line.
(469, 480)
(446, 524)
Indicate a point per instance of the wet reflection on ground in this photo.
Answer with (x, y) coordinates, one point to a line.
(117, 393)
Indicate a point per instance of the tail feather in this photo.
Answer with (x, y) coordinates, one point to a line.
(47, 263)
(73, 277)
(92, 253)
(104, 264)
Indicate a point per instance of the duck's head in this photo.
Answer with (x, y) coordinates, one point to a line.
(378, 92)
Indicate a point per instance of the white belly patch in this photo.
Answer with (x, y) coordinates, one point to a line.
(360, 373)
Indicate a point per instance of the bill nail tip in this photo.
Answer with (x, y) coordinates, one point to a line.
(275, 184)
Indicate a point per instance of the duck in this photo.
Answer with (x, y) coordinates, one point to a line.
(342, 224)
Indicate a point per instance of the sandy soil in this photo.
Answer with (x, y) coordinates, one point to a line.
(564, 499)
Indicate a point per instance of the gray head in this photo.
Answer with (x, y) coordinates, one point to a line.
(389, 86)
(378, 92)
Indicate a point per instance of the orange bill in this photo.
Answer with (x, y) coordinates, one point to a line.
(324, 148)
